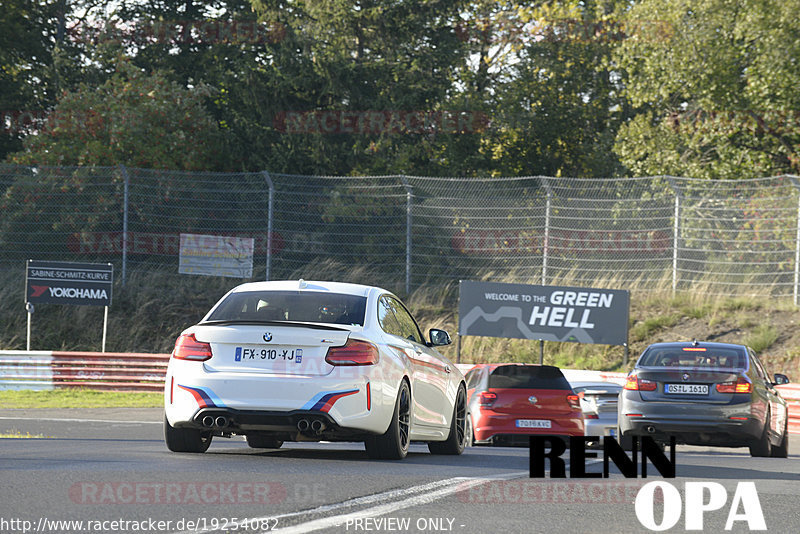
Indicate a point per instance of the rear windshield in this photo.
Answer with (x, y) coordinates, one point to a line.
(528, 377)
(301, 306)
(726, 357)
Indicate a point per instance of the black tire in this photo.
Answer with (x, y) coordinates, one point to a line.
(625, 441)
(186, 439)
(782, 450)
(393, 444)
(456, 439)
(762, 447)
(260, 441)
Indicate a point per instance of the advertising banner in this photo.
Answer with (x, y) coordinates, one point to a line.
(549, 313)
(214, 255)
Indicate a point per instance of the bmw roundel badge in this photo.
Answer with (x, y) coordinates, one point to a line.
(268, 337)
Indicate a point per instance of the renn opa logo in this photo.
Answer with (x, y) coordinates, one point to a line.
(700, 497)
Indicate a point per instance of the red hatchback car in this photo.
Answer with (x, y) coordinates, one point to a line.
(509, 402)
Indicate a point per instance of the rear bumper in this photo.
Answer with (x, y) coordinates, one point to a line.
(501, 429)
(257, 402)
(693, 424)
(296, 425)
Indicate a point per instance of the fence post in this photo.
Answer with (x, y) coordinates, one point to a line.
(409, 195)
(270, 200)
(796, 185)
(546, 245)
(676, 233)
(126, 184)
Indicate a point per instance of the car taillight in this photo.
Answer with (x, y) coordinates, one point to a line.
(647, 385)
(188, 348)
(634, 383)
(353, 353)
(487, 398)
(740, 386)
(631, 383)
(574, 401)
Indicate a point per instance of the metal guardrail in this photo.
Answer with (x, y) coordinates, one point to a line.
(107, 371)
(791, 392)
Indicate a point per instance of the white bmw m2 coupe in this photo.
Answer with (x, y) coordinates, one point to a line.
(311, 361)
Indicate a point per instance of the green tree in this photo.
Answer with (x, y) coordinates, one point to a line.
(376, 56)
(560, 106)
(29, 31)
(134, 119)
(714, 82)
(541, 74)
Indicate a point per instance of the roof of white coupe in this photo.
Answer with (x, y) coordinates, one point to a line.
(308, 285)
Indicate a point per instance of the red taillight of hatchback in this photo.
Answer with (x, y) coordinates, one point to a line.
(188, 348)
(487, 398)
(634, 383)
(574, 401)
(740, 386)
(353, 353)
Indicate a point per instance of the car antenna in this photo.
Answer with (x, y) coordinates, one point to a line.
(695, 343)
(302, 284)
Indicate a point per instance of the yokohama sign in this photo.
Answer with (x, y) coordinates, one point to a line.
(561, 241)
(82, 284)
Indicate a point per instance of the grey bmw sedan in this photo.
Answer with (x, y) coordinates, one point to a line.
(704, 393)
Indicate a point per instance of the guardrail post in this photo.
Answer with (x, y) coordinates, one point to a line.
(676, 234)
(270, 200)
(409, 197)
(796, 184)
(546, 245)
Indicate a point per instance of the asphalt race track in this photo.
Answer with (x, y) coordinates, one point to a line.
(110, 469)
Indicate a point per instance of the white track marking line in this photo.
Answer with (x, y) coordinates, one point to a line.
(431, 493)
(454, 485)
(339, 520)
(31, 420)
(357, 501)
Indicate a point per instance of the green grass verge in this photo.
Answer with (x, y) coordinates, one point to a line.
(79, 398)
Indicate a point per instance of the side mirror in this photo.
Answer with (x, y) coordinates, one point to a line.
(781, 379)
(439, 337)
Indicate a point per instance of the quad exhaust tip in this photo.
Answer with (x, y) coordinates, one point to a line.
(317, 426)
(219, 422)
